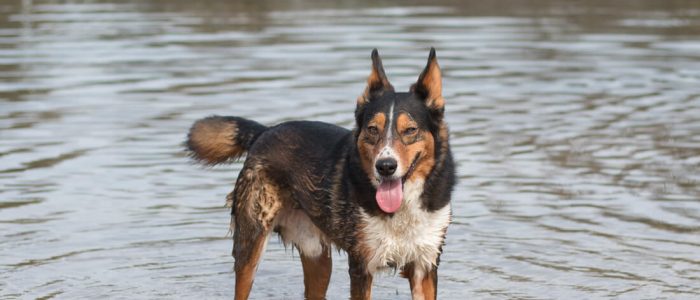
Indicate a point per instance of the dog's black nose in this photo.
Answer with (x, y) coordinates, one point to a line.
(386, 166)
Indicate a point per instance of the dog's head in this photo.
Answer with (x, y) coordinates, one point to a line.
(399, 135)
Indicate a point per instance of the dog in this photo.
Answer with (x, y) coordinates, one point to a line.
(380, 192)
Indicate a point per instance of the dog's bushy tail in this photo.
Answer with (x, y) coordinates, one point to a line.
(215, 140)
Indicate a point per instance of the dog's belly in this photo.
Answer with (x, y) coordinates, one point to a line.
(295, 228)
(412, 235)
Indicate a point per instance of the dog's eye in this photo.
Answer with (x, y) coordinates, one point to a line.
(410, 131)
(373, 130)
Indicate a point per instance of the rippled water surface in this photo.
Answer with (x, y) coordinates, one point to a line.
(576, 126)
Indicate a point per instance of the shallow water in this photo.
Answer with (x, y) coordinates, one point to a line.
(576, 126)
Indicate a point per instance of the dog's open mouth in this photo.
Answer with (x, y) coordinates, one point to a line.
(390, 190)
(390, 195)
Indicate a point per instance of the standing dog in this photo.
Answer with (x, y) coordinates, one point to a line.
(381, 192)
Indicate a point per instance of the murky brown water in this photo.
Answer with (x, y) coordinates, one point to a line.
(576, 127)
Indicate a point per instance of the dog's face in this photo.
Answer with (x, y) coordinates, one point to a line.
(396, 132)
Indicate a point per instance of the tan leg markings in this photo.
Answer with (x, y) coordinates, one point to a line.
(245, 272)
(317, 274)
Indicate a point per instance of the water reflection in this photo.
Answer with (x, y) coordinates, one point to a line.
(575, 126)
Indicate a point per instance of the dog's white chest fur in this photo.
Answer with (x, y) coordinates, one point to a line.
(411, 235)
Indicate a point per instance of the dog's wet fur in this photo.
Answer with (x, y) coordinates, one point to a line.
(315, 185)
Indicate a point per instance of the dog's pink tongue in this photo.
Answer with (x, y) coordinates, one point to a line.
(390, 195)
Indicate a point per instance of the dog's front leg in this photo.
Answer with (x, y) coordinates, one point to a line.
(423, 284)
(360, 280)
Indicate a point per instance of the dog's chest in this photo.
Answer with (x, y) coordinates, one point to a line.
(411, 235)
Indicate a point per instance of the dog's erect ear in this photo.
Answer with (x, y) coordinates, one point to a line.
(429, 84)
(377, 81)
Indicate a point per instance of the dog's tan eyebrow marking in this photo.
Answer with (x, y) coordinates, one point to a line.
(404, 121)
(379, 120)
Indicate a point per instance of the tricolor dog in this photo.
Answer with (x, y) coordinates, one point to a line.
(381, 192)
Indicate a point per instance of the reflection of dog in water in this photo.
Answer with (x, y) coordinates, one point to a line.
(380, 192)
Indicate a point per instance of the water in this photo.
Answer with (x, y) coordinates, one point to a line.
(576, 126)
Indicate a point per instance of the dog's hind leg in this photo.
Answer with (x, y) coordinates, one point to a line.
(247, 254)
(317, 274)
(256, 203)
